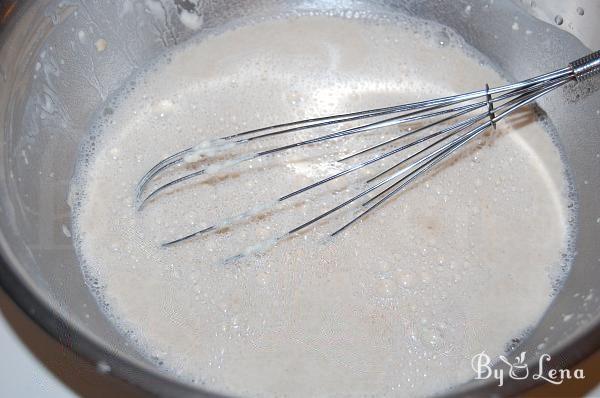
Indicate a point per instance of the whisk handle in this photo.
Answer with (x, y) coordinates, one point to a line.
(586, 67)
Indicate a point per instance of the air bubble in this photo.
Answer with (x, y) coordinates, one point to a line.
(442, 38)
(558, 20)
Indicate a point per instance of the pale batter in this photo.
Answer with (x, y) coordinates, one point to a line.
(464, 261)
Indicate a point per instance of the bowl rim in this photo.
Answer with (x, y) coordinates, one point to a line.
(583, 343)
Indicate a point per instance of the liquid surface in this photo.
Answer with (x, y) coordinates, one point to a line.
(463, 261)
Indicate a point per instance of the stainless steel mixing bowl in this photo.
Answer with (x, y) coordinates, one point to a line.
(61, 59)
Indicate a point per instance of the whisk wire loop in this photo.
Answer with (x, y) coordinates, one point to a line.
(450, 123)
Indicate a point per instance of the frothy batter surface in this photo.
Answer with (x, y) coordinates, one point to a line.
(462, 262)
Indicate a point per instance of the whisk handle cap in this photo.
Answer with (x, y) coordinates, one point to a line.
(586, 67)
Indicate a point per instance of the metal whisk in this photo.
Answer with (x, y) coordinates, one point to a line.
(450, 123)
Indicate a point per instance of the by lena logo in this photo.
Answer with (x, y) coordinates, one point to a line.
(518, 370)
